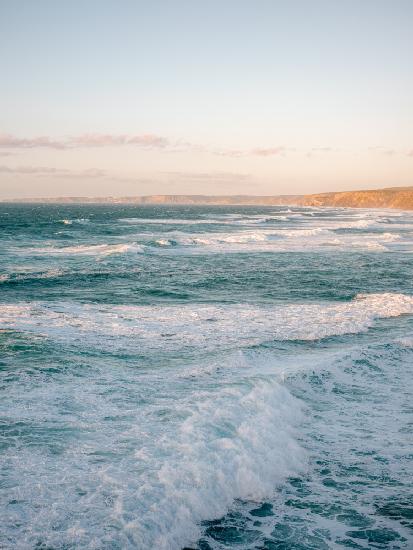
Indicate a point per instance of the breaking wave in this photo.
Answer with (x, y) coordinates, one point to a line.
(171, 328)
(92, 249)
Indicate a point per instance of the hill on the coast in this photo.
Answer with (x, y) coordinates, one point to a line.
(393, 197)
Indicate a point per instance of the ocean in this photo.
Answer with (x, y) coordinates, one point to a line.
(205, 377)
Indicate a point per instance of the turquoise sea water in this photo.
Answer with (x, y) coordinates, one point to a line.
(205, 378)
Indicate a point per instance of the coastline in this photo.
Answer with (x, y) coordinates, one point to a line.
(392, 197)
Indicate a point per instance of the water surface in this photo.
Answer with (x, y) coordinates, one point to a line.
(205, 377)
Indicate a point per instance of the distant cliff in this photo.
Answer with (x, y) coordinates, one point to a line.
(393, 197)
(174, 199)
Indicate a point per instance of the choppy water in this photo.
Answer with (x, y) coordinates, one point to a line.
(205, 377)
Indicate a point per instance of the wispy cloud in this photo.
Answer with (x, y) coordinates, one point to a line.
(52, 171)
(32, 170)
(321, 150)
(384, 151)
(255, 152)
(213, 177)
(143, 141)
(389, 152)
(8, 141)
(110, 140)
(148, 141)
(226, 152)
(267, 151)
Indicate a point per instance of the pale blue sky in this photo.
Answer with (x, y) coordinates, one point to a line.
(292, 96)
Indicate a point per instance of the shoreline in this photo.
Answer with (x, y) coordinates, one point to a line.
(395, 198)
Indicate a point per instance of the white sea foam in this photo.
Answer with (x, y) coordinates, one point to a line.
(92, 249)
(167, 221)
(235, 444)
(22, 276)
(281, 231)
(165, 470)
(406, 342)
(216, 220)
(148, 453)
(274, 240)
(76, 220)
(245, 237)
(207, 327)
(346, 224)
(390, 237)
(174, 462)
(164, 242)
(310, 232)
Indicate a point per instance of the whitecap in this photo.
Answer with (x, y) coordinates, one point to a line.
(91, 249)
(139, 327)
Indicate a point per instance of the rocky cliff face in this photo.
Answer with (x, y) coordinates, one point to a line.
(396, 197)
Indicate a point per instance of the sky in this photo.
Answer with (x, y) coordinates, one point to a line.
(265, 97)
